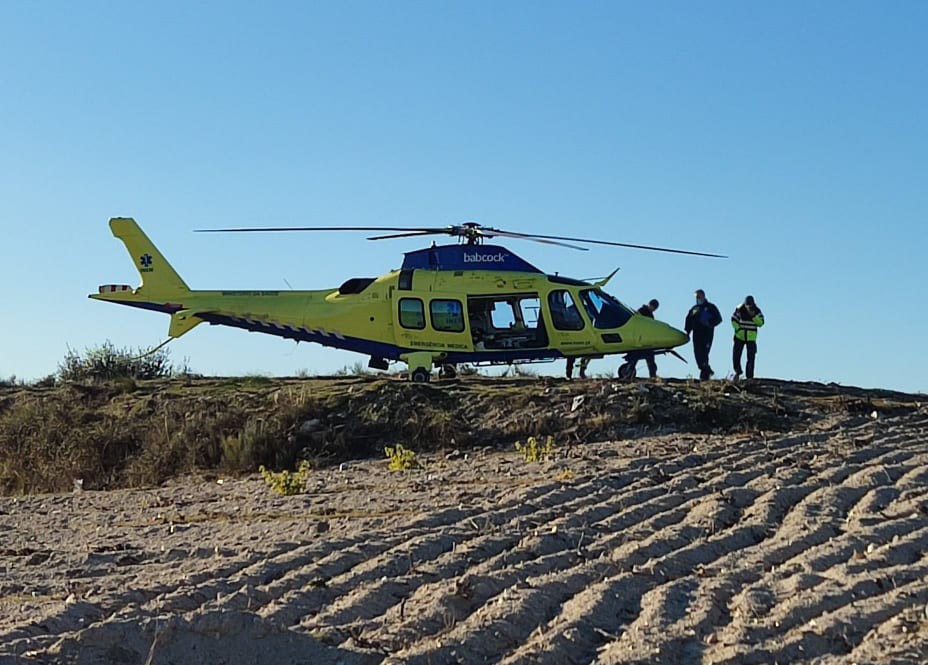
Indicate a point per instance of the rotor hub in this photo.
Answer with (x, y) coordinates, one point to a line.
(469, 232)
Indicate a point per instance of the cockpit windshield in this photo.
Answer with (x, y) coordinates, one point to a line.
(604, 310)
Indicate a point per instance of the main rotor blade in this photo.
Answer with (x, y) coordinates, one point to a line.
(489, 233)
(619, 244)
(468, 230)
(275, 229)
(406, 235)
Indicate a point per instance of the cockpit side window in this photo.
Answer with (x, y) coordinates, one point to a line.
(355, 285)
(404, 283)
(564, 313)
(604, 310)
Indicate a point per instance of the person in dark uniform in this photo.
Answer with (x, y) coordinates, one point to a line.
(565, 316)
(648, 356)
(584, 363)
(700, 325)
(746, 320)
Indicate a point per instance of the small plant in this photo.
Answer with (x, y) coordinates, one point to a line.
(402, 459)
(565, 476)
(708, 395)
(287, 483)
(45, 382)
(533, 451)
(257, 380)
(639, 410)
(356, 369)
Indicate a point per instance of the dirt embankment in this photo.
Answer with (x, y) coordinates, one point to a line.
(127, 434)
(713, 523)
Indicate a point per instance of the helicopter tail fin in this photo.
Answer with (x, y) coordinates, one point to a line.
(157, 274)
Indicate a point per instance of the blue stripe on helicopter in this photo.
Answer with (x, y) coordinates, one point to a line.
(306, 334)
(338, 341)
(368, 347)
(154, 307)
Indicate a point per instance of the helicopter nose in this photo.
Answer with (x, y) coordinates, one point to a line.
(669, 337)
(679, 338)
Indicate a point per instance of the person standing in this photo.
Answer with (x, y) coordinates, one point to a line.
(648, 356)
(700, 325)
(746, 320)
(584, 363)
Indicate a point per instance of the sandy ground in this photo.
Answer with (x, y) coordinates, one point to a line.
(802, 547)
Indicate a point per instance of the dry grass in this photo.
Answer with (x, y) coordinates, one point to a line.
(128, 433)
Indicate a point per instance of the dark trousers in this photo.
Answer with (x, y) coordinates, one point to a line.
(648, 357)
(702, 344)
(584, 363)
(736, 357)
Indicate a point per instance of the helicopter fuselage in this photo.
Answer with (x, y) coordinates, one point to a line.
(447, 304)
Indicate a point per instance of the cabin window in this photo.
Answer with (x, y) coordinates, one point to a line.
(412, 313)
(604, 310)
(564, 312)
(447, 315)
(404, 283)
(531, 311)
(503, 315)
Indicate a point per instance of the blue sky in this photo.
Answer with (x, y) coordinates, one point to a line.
(790, 136)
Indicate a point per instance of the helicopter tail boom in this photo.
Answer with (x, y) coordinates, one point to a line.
(156, 273)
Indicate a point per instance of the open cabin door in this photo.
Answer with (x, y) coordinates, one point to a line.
(506, 322)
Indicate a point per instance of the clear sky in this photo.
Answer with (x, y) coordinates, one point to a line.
(791, 136)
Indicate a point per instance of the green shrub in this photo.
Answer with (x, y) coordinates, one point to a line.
(533, 451)
(105, 362)
(287, 483)
(402, 459)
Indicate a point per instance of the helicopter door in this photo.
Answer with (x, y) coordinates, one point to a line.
(506, 323)
(569, 331)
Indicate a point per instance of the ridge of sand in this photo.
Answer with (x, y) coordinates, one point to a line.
(803, 546)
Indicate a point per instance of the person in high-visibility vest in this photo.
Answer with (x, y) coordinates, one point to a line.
(746, 320)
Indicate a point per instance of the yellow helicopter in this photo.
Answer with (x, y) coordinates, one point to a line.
(468, 302)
